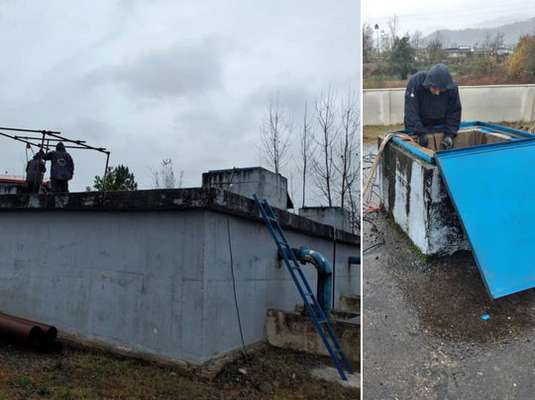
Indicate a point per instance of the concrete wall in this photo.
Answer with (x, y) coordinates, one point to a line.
(263, 283)
(248, 181)
(334, 216)
(486, 103)
(155, 282)
(295, 331)
(414, 195)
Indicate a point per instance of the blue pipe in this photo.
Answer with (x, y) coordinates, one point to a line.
(325, 275)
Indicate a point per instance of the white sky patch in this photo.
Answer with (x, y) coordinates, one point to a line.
(427, 16)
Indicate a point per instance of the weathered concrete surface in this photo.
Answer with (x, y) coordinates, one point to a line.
(412, 191)
(212, 199)
(350, 304)
(297, 332)
(424, 338)
(149, 272)
(493, 103)
(248, 181)
(334, 216)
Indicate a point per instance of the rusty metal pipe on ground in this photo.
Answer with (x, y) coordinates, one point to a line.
(26, 332)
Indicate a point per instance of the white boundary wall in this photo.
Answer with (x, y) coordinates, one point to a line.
(485, 103)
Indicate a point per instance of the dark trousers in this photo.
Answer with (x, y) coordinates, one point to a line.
(59, 186)
(33, 186)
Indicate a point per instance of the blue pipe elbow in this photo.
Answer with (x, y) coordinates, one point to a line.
(325, 275)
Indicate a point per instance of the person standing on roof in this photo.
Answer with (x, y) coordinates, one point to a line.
(432, 104)
(62, 168)
(35, 171)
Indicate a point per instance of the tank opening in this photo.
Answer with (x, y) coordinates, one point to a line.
(468, 138)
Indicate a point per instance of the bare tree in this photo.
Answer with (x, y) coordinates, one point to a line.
(322, 167)
(494, 43)
(393, 29)
(275, 134)
(305, 150)
(347, 147)
(435, 53)
(164, 176)
(416, 40)
(367, 43)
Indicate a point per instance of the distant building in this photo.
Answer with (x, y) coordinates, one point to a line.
(501, 52)
(459, 52)
(504, 51)
(11, 184)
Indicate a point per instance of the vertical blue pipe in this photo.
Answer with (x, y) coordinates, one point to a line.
(325, 275)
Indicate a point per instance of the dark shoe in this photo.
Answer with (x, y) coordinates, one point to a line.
(447, 143)
(423, 141)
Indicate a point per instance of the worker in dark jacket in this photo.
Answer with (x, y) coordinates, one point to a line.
(62, 168)
(432, 99)
(35, 171)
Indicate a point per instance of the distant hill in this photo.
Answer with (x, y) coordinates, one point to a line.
(512, 32)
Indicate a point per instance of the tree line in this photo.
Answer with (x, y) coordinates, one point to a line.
(387, 54)
(320, 149)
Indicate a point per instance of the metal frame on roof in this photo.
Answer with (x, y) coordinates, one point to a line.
(42, 139)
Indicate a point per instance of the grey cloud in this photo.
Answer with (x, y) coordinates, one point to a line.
(139, 79)
(89, 128)
(179, 71)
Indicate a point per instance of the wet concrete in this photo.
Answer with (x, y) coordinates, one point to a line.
(424, 337)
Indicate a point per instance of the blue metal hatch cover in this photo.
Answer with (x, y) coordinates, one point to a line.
(493, 190)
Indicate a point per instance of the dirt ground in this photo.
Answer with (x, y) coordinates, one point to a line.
(81, 374)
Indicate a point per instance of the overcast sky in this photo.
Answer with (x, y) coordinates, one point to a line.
(187, 80)
(427, 15)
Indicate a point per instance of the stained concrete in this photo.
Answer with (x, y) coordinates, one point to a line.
(248, 181)
(334, 216)
(412, 191)
(350, 304)
(297, 332)
(149, 271)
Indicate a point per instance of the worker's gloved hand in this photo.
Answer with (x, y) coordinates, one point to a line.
(447, 142)
(422, 140)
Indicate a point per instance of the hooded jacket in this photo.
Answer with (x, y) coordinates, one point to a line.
(62, 163)
(424, 110)
(35, 169)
